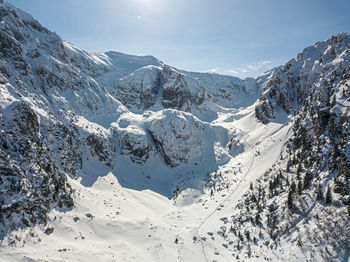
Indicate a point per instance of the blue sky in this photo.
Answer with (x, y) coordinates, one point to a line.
(237, 37)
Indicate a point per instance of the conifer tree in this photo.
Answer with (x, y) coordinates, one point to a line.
(300, 187)
(249, 251)
(319, 193)
(298, 171)
(307, 179)
(240, 236)
(293, 187)
(290, 200)
(328, 196)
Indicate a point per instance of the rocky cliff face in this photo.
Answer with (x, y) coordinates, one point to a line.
(57, 104)
(180, 137)
(140, 89)
(159, 87)
(297, 199)
(31, 183)
(154, 87)
(305, 197)
(41, 141)
(318, 67)
(62, 109)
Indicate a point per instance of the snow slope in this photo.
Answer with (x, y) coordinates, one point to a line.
(114, 157)
(113, 223)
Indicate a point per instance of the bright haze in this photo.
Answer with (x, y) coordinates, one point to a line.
(235, 37)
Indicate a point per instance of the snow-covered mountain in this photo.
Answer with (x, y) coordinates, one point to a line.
(74, 106)
(112, 157)
(317, 68)
(304, 197)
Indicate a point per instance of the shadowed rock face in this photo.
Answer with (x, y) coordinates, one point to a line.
(136, 146)
(141, 89)
(40, 141)
(176, 93)
(59, 106)
(30, 182)
(103, 149)
(178, 137)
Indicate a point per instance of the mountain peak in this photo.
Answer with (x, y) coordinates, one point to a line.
(77, 128)
(11, 16)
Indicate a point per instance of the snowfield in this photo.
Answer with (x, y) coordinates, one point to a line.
(115, 157)
(114, 223)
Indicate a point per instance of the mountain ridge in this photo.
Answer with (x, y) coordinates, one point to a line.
(70, 120)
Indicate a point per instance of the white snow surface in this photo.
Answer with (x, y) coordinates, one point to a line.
(113, 223)
(149, 201)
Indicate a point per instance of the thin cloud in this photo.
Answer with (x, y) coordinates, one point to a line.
(251, 70)
(260, 65)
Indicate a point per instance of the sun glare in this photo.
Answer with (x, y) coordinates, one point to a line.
(147, 8)
(144, 2)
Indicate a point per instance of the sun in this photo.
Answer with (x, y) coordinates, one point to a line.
(146, 6)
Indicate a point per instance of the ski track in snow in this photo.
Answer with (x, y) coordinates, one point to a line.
(240, 187)
(142, 152)
(224, 201)
(135, 214)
